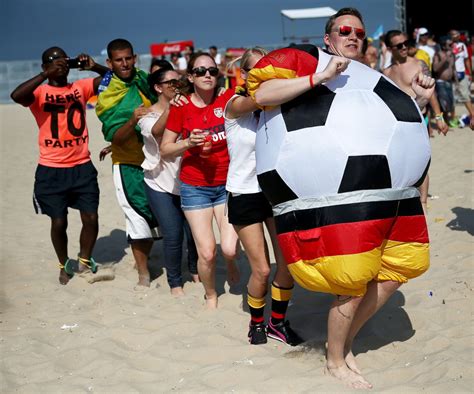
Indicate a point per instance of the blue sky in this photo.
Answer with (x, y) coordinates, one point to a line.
(27, 27)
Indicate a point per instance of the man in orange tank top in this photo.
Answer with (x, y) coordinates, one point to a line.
(65, 176)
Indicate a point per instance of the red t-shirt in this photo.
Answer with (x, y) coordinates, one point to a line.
(196, 170)
(60, 113)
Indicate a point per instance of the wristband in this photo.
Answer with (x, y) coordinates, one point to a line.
(439, 116)
(311, 83)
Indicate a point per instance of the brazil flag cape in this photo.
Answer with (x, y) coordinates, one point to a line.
(116, 104)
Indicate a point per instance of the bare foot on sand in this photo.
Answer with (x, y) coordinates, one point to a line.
(64, 278)
(211, 302)
(351, 362)
(348, 377)
(233, 273)
(143, 280)
(177, 292)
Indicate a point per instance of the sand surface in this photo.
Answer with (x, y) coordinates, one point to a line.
(108, 337)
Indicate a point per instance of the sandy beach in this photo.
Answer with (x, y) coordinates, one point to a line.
(107, 337)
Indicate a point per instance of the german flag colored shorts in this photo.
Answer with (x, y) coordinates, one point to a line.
(338, 245)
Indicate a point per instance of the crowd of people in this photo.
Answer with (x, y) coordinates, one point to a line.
(182, 144)
(448, 60)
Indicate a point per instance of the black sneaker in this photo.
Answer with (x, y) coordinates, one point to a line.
(257, 334)
(282, 332)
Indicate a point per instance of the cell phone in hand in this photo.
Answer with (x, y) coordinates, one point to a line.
(75, 63)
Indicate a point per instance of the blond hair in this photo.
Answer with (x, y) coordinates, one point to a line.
(244, 59)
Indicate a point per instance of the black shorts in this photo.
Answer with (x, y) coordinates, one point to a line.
(246, 209)
(56, 189)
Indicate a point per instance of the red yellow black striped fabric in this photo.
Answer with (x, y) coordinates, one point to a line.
(282, 63)
(339, 249)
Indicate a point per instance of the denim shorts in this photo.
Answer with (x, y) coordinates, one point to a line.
(201, 197)
(444, 90)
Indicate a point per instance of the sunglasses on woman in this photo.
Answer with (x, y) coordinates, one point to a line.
(171, 82)
(345, 31)
(201, 71)
(401, 45)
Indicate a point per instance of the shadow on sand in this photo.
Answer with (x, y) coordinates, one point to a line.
(308, 314)
(464, 220)
(110, 249)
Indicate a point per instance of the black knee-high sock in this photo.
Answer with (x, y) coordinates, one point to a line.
(280, 299)
(257, 307)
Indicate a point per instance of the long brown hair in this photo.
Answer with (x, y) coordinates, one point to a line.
(189, 87)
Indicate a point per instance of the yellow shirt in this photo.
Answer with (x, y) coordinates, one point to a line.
(423, 55)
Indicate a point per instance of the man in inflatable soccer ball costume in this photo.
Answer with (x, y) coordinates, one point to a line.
(340, 150)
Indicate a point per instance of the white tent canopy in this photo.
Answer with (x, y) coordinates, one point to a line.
(307, 13)
(304, 13)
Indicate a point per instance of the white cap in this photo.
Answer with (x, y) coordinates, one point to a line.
(422, 31)
(419, 32)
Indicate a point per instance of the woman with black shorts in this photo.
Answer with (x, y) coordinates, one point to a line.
(248, 209)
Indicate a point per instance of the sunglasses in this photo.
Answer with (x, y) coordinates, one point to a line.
(201, 71)
(171, 82)
(401, 45)
(346, 31)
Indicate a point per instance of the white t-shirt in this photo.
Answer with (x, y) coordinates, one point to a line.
(460, 53)
(161, 175)
(240, 135)
(182, 63)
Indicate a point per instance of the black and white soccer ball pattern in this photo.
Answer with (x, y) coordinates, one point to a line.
(358, 131)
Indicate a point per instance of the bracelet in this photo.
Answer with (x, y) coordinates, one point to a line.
(311, 83)
(439, 116)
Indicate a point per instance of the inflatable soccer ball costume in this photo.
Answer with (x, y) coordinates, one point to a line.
(340, 165)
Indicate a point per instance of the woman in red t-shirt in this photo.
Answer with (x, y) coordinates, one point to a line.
(196, 131)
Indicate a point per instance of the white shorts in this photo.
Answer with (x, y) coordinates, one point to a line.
(129, 188)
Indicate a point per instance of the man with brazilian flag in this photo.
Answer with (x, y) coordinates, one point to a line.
(119, 108)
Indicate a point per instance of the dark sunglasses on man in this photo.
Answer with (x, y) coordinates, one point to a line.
(401, 45)
(201, 71)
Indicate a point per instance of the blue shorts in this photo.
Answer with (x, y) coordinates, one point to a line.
(201, 197)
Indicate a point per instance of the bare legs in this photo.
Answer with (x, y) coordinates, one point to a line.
(377, 295)
(200, 221)
(229, 244)
(253, 240)
(283, 277)
(423, 189)
(346, 318)
(141, 250)
(256, 249)
(59, 238)
(89, 231)
(341, 315)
